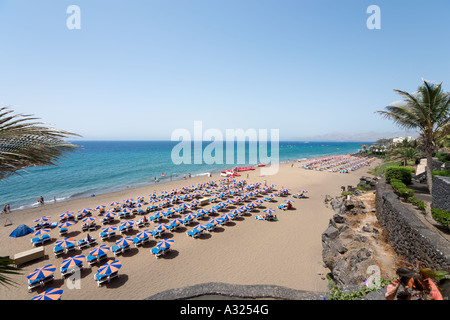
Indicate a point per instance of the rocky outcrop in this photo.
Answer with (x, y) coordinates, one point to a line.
(345, 250)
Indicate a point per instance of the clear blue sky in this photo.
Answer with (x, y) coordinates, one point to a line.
(140, 69)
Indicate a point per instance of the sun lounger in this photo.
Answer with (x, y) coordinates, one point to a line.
(58, 250)
(157, 251)
(70, 247)
(63, 231)
(137, 241)
(69, 271)
(39, 282)
(91, 260)
(101, 279)
(193, 234)
(82, 244)
(104, 235)
(45, 238)
(116, 250)
(36, 241)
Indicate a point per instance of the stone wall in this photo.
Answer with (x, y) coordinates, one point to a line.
(407, 234)
(441, 193)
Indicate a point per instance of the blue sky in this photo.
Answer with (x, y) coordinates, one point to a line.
(141, 69)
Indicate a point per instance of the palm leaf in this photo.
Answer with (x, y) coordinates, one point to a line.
(26, 143)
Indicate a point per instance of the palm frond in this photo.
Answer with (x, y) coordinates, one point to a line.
(26, 143)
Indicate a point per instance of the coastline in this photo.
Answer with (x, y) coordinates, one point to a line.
(244, 252)
(149, 184)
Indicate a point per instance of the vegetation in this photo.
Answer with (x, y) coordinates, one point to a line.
(401, 173)
(427, 111)
(337, 294)
(405, 154)
(401, 190)
(25, 143)
(421, 205)
(7, 267)
(379, 170)
(417, 284)
(443, 173)
(441, 216)
(443, 157)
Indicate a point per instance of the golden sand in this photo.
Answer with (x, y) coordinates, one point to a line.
(286, 252)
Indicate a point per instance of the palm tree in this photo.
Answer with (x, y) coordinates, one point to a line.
(405, 154)
(25, 143)
(427, 111)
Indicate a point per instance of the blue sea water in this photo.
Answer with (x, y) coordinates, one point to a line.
(106, 166)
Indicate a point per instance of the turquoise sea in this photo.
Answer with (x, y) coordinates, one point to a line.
(106, 166)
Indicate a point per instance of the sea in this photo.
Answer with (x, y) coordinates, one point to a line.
(99, 167)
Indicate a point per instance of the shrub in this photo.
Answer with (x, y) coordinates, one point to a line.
(418, 203)
(443, 173)
(397, 172)
(443, 157)
(441, 216)
(401, 190)
(346, 193)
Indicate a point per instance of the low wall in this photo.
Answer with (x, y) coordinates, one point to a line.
(441, 193)
(407, 234)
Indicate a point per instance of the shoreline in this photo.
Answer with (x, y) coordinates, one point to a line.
(114, 189)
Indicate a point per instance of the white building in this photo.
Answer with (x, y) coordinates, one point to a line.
(400, 139)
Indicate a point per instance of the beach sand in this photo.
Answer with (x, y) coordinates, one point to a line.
(246, 251)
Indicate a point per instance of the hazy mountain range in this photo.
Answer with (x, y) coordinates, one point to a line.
(370, 136)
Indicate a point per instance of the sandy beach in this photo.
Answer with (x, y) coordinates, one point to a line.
(286, 252)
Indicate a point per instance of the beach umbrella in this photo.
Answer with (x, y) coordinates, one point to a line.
(66, 215)
(195, 202)
(165, 243)
(65, 242)
(41, 273)
(114, 204)
(227, 216)
(177, 221)
(214, 221)
(200, 227)
(100, 207)
(259, 201)
(110, 267)
(269, 211)
(144, 234)
(189, 216)
(72, 262)
(109, 229)
(110, 214)
(49, 294)
(236, 211)
(41, 232)
(160, 227)
(86, 210)
(127, 223)
(103, 249)
(88, 219)
(212, 210)
(42, 219)
(139, 205)
(202, 211)
(67, 224)
(21, 231)
(124, 241)
(289, 201)
(126, 210)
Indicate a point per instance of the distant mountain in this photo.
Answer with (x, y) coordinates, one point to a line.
(370, 136)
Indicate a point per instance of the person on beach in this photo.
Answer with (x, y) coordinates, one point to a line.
(185, 176)
(4, 209)
(8, 208)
